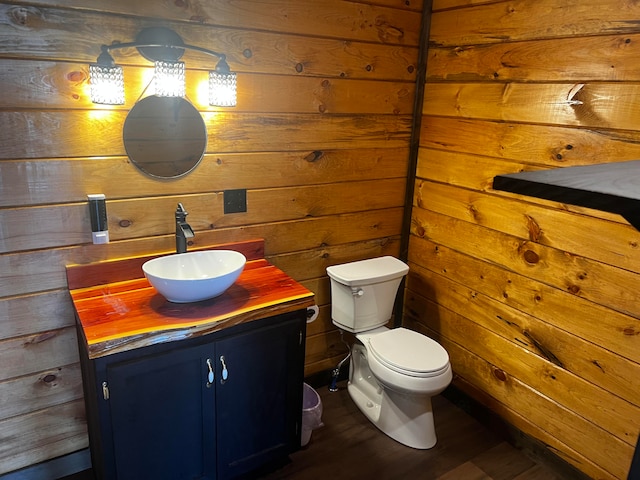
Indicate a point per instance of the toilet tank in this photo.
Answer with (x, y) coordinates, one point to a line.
(363, 292)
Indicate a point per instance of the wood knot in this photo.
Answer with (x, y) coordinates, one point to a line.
(531, 257)
(76, 76)
(49, 378)
(500, 374)
(575, 289)
(125, 223)
(420, 231)
(314, 156)
(247, 53)
(629, 331)
(43, 337)
(299, 67)
(535, 232)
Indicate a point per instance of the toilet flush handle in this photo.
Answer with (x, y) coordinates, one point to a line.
(357, 292)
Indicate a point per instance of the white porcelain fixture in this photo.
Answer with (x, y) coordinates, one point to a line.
(194, 276)
(394, 372)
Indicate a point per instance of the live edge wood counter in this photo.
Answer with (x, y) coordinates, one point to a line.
(118, 310)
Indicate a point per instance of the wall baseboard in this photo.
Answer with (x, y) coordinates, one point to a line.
(53, 469)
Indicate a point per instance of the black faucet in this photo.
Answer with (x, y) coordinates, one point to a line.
(183, 229)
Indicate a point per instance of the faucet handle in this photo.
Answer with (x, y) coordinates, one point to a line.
(181, 213)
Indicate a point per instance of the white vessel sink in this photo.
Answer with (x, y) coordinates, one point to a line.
(194, 276)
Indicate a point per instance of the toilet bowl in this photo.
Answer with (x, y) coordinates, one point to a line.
(393, 372)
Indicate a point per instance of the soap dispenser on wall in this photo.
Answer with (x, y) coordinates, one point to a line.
(98, 215)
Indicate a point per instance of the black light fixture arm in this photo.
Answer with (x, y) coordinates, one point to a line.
(159, 43)
(116, 46)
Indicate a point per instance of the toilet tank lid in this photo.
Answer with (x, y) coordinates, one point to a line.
(373, 270)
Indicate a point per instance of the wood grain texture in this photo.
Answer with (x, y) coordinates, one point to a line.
(534, 145)
(320, 140)
(610, 58)
(118, 310)
(217, 172)
(531, 295)
(370, 21)
(503, 21)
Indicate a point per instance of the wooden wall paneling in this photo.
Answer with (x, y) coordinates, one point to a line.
(444, 167)
(57, 85)
(594, 323)
(76, 36)
(322, 130)
(447, 166)
(41, 312)
(324, 352)
(471, 371)
(41, 435)
(313, 233)
(590, 367)
(88, 134)
(69, 224)
(445, 4)
(37, 352)
(25, 182)
(547, 287)
(330, 18)
(600, 283)
(598, 105)
(40, 390)
(535, 145)
(579, 235)
(499, 22)
(39, 270)
(307, 264)
(559, 418)
(583, 59)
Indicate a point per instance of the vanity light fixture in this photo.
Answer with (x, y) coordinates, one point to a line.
(164, 47)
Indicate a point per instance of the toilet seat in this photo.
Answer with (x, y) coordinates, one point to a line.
(409, 353)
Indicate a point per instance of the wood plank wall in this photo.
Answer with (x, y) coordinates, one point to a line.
(536, 301)
(320, 140)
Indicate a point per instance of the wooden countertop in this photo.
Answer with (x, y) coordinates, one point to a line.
(128, 313)
(611, 187)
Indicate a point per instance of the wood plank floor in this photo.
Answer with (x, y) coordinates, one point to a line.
(348, 446)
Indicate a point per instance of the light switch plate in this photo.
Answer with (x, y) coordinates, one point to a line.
(235, 201)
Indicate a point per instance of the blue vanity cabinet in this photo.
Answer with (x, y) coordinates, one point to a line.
(217, 406)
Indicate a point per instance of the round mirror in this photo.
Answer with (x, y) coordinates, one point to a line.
(165, 137)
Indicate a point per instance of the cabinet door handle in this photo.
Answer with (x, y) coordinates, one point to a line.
(210, 376)
(225, 372)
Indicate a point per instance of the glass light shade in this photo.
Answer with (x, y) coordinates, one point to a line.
(169, 79)
(222, 89)
(107, 84)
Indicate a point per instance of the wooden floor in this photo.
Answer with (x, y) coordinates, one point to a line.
(348, 446)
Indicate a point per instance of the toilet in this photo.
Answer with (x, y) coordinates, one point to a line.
(393, 372)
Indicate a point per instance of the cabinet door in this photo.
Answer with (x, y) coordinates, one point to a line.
(259, 405)
(162, 415)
